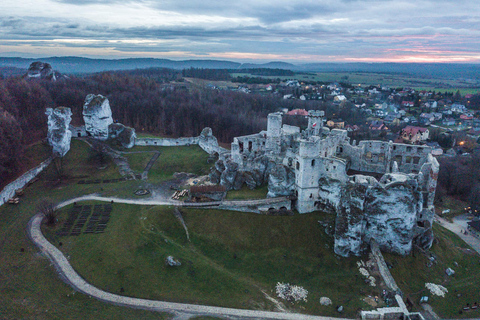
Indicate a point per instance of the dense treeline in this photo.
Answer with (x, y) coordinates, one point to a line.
(255, 80)
(264, 72)
(143, 99)
(207, 74)
(459, 176)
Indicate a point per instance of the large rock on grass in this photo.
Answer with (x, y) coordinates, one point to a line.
(97, 116)
(123, 134)
(59, 136)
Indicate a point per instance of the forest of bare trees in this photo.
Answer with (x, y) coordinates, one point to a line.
(151, 100)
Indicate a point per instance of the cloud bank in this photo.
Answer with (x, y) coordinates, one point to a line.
(295, 31)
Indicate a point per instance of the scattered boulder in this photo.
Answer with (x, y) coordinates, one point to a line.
(97, 116)
(123, 134)
(450, 272)
(59, 136)
(325, 301)
(172, 262)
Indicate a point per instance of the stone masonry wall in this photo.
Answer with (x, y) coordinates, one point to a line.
(9, 191)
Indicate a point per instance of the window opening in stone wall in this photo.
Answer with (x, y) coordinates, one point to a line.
(416, 160)
(408, 159)
(409, 149)
(311, 195)
(240, 145)
(313, 162)
(250, 145)
(298, 165)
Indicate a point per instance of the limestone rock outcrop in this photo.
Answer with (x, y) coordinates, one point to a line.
(97, 116)
(207, 141)
(387, 212)
(281, 181)
(227, 173)
(123, 134)
(42, 70)
(59, 136)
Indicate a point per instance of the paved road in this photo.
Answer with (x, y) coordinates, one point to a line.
(170, 202)
(459, 225)
(181, 310)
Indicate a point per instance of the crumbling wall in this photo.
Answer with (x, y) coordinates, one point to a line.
(166, 142)
(9, 190)
(378, 156)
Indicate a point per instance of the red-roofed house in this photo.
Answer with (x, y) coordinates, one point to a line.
(298, 112)
(466, 116)
(414, 134)
(407, 103)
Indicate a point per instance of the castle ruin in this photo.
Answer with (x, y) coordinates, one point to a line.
(379, 190)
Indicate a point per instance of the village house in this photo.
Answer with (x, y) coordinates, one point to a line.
(336, 123)
(297, 112)
(377, 125)
(414, 135)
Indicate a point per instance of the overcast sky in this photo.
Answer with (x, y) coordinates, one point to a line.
(258, 30)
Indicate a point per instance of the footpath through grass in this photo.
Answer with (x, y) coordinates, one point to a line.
(190, 159)
(231, 258)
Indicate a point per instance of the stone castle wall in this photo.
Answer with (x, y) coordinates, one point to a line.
(9, 191)
(311, 166)
(166, 142)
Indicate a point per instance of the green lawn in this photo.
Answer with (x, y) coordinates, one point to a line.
(246, 193)
(384, 79)
(231, 257)
(411, 274)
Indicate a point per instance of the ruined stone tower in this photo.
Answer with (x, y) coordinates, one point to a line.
(274, 133)
(315, 122)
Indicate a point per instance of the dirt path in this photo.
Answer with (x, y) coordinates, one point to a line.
(149, 165)
(120, 161)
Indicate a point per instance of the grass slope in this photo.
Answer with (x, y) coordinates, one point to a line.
(190, 159)
(231, 258)
(412, 272)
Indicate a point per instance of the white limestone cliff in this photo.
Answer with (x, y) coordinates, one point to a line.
(97, 116)
(59, 136)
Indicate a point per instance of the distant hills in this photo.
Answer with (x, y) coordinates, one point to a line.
(77, 65)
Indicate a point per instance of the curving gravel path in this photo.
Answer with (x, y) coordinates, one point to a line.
(181, 310)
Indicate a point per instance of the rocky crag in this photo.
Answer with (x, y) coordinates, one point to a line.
(99, 122)
(97, 116)
(41, 70)
(59, 136)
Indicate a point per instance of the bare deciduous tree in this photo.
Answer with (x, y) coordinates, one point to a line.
(48, 209)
